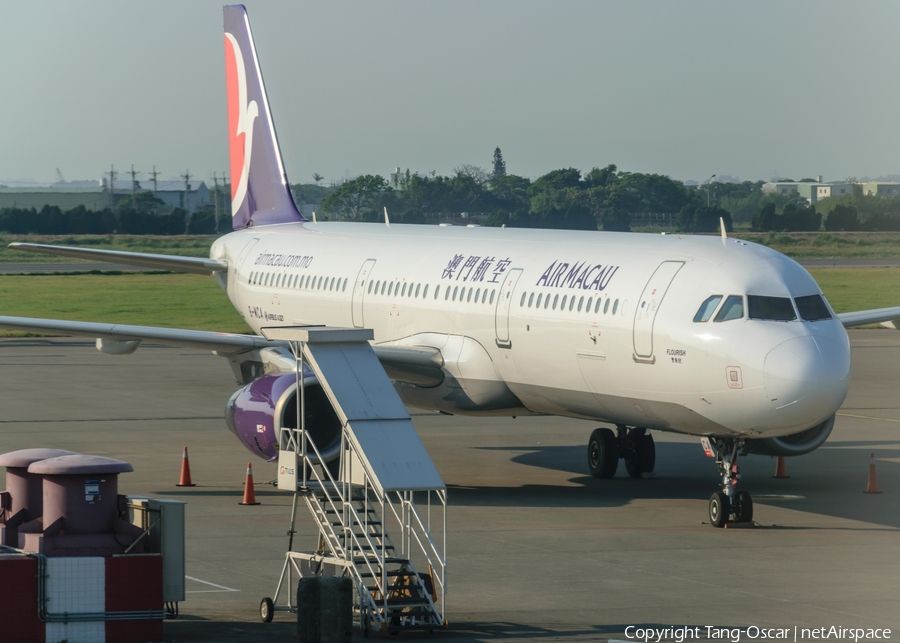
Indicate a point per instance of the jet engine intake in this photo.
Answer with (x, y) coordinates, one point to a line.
(257, 412)
(794, 444)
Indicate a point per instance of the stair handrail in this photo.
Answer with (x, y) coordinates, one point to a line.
(440, 563)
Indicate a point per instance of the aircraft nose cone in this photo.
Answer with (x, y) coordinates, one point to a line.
(812, 368)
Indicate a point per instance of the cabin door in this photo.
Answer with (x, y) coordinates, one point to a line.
(359, 291)
(504, 306)
(648, 305)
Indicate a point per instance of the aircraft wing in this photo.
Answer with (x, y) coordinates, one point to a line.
(197, 265)
(412, 365)
(202, 339)
(874, 316)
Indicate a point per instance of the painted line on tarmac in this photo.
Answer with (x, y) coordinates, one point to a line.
(867, 417)
(221, 588)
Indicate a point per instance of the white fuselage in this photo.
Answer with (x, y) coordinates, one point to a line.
(637, 359)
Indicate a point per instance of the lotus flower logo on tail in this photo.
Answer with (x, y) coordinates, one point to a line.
(241, 118)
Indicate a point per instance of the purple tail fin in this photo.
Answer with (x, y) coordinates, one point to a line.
(260, 193)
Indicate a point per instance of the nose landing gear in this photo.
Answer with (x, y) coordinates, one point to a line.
(727, 505)
(634, 446)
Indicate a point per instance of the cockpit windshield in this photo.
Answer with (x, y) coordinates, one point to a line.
(770, 308)
(733, 308)
(707, 308)
(812, 308)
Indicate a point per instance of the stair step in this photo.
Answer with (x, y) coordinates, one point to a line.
(393, 588)
(414, 613)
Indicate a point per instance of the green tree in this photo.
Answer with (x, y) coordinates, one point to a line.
(499, 164)
(702, 218)
(765, 218)
(800, 219)
(842, 217)
(599, 178)
(356, 198)
(140, 202)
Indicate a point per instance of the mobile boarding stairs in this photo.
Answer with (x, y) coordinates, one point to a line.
(400, 577)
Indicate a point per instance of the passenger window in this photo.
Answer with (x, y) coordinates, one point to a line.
(403, 291)
(344, 287)
(425, 292)
(572, 304)
(770, 308)
(437, 291)
(605, 306)
(469, 298)
(539, 301)
(590, 302)
(331, 285)
(521, 301)
(492, 297)
(707, 308)
(447, 294)
(581, 303)
(455, 290)
(383, 286)
(418, 286)
(615, 306)
(562, 306)
(478, 294)
(530, 299)
(370, 287)
(733, 308)
(390, 289)
(484, 296)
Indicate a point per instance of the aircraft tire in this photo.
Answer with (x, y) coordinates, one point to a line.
(743, 507)
(644, 459)
(719, 508)
(266, 610)
(603, 453)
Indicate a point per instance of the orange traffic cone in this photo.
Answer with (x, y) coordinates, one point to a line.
(780, 471)
(872, 486)
(185, 479)
(249, 495)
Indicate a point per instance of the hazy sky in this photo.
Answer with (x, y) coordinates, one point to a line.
(687, 89)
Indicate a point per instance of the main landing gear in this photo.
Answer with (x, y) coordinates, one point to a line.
(634, 446)
(727, 505)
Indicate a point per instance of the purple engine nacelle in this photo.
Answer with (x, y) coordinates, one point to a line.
(256, 412)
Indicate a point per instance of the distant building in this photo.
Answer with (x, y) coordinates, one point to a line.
(63, 195)
(881, 188)
(94, 195)
(192, 197)
(811, 191)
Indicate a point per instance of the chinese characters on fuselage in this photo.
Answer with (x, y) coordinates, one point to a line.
(475, 268)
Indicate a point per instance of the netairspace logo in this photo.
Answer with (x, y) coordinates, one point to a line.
(753, 633)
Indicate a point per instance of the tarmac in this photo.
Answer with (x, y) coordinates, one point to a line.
(539, 550)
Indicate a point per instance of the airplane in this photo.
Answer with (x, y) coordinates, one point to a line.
(713, 337)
